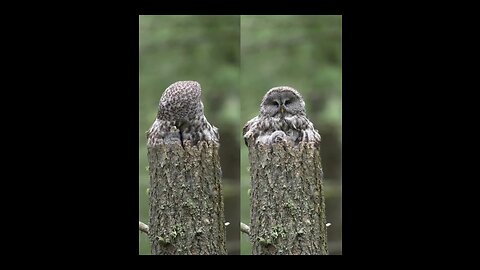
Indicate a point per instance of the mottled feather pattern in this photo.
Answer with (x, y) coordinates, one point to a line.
(180, 116)
(282, 118)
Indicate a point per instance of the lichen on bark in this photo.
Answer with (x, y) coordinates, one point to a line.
(186, 200)
(287, 201)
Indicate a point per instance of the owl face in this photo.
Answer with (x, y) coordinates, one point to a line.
(282, 102)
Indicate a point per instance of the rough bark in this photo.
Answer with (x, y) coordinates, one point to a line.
(186, 200)
(287, 201)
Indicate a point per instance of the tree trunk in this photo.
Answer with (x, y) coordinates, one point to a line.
(287, 201)
(186, 200)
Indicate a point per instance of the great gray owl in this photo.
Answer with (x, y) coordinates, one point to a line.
(282, 118)
(180, 116)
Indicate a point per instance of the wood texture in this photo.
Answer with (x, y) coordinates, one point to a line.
(287, 201)
(186, 201)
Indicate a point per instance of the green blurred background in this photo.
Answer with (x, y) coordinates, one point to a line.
(204, 49)
(237, 59)
(304, 52)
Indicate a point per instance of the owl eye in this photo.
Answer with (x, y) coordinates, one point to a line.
(287, 102)
(275, 103)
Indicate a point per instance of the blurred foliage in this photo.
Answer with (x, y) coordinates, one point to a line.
(204, 49)
(303, 52)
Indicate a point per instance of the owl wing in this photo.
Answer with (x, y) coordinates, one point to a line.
(248, 129)
(216, 134)
(310, 134)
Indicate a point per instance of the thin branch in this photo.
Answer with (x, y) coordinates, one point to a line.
(244, 228)
(143, 227)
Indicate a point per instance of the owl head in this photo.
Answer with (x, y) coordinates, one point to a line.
(181, 101)
(282, 101)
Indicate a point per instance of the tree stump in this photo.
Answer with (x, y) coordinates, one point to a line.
(287, 200)
(186, 200)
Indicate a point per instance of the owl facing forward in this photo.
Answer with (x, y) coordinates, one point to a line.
(180, 116)
(282, 118)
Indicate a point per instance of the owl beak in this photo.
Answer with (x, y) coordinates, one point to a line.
(282, 109)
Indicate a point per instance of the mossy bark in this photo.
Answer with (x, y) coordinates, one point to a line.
(186, 200)
(287, 201)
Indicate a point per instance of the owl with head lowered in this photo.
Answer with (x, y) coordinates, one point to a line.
(282, 118)
(180, 116)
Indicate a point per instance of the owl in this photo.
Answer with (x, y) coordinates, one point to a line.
(180, 116)
(282, 118)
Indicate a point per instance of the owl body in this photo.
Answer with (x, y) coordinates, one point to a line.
(180, 116)
(282, 109)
